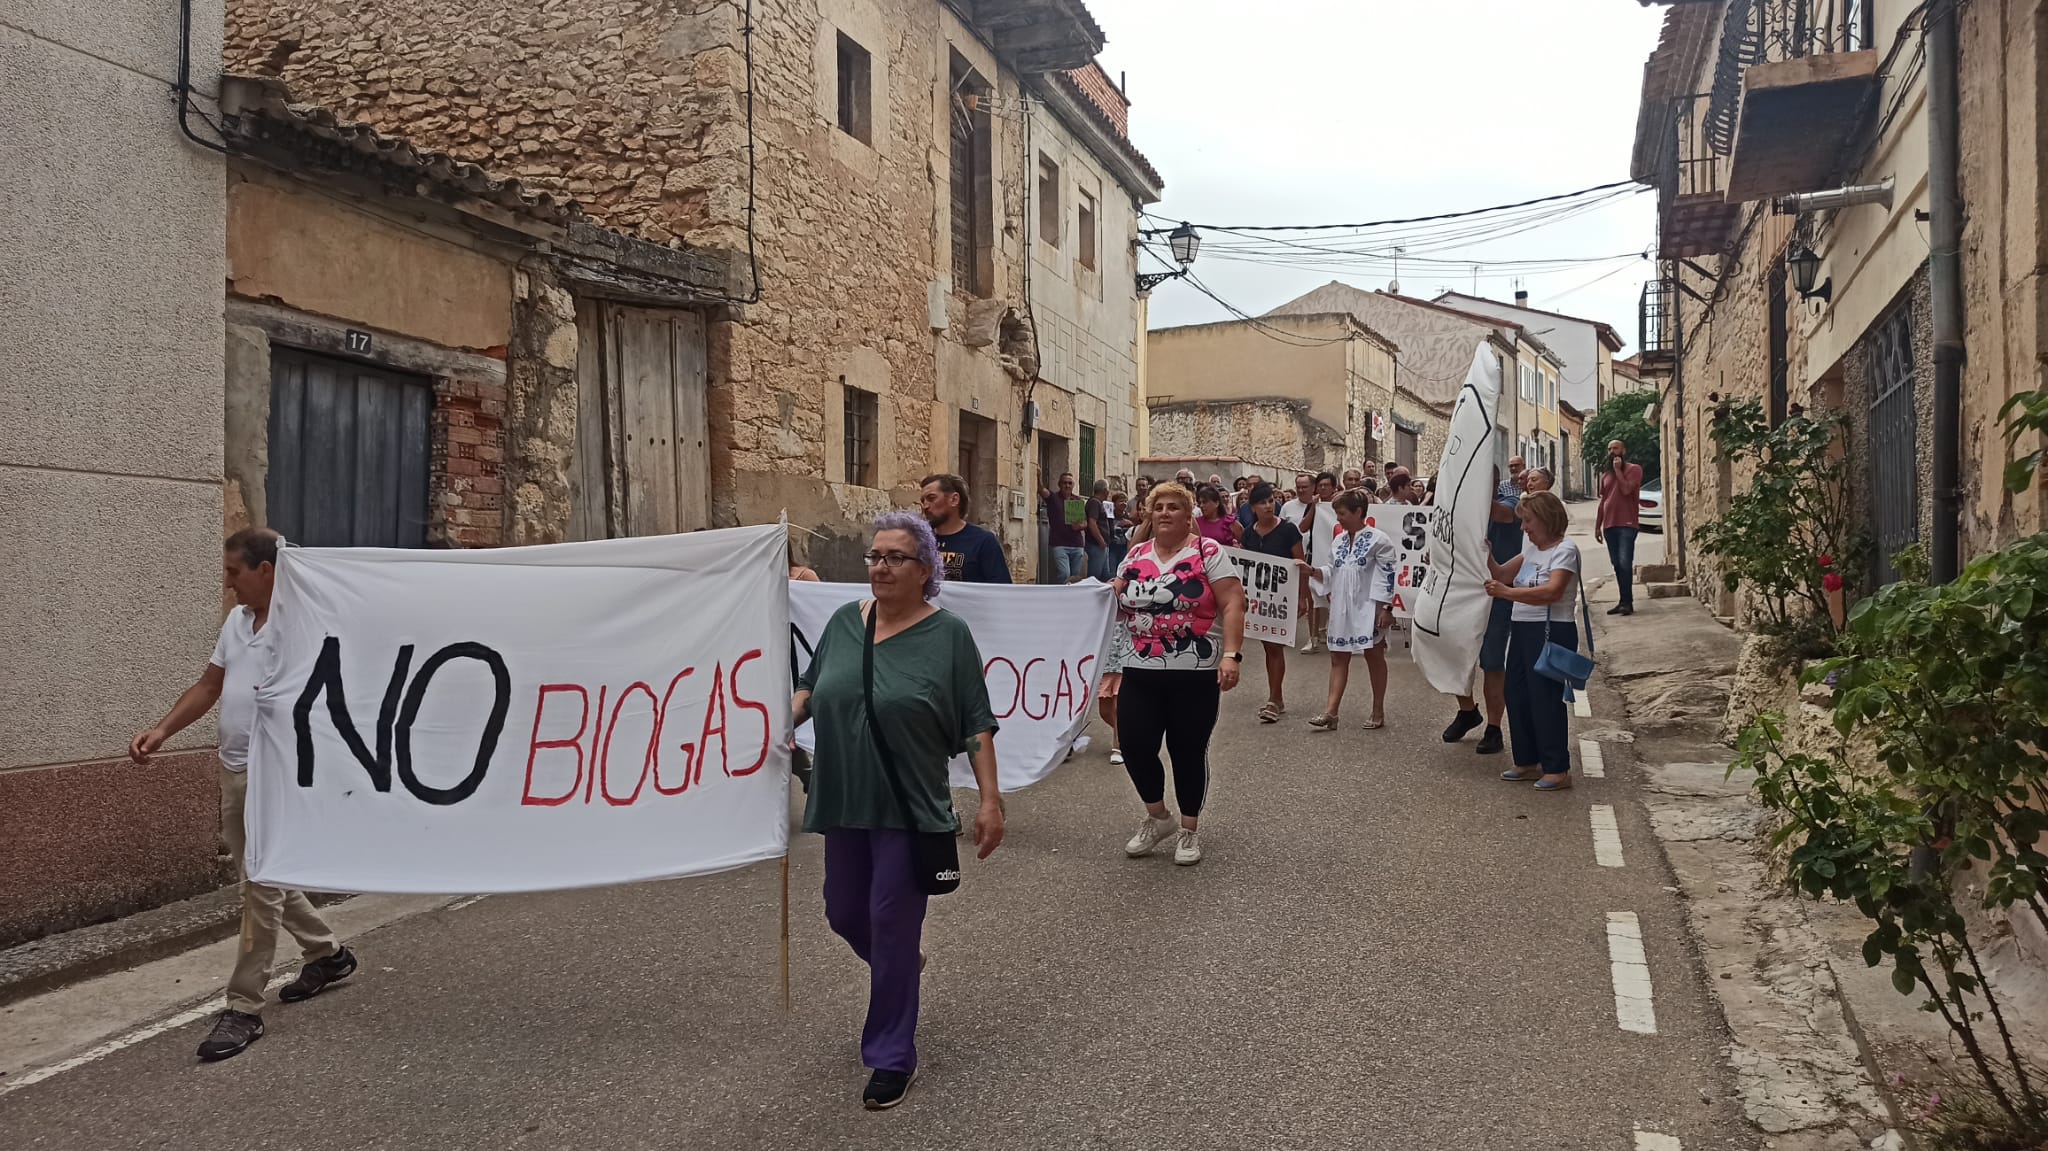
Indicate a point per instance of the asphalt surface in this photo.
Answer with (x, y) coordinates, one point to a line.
(1385, 947)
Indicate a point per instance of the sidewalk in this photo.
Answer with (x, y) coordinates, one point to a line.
(1801, 1063)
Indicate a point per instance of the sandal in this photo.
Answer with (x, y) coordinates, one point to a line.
(1522, 774)
(1324, 723)
(1374, 724)
(1271, 712)
(1558, 782)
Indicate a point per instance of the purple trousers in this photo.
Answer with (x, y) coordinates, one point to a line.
(872, 901)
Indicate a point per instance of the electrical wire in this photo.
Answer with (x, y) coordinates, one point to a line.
(1416, 219)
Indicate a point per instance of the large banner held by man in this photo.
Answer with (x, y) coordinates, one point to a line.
(1451, 611)
(524, 719)
(1270, 588)
(1042, 648)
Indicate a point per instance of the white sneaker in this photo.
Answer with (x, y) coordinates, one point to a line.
(1187, 850)
(1151, 834)
(1116, 757)
(1308, 648)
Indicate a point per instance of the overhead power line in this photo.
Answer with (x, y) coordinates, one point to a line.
(1412, 219)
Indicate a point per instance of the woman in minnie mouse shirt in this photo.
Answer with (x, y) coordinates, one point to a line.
(1179, 644)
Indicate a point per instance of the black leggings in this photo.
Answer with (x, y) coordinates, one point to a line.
(1179, 707)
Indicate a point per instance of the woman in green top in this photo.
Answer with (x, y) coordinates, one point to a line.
(932, 700)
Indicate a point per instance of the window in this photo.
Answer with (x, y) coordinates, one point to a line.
(1084, 232)
(860, 436)
(1048, 201)
(856, 79)
(972, 184)
(1087, 476)
(1527, 378)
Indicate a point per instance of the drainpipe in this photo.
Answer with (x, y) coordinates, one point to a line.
(1676, 530)
(1945, 281)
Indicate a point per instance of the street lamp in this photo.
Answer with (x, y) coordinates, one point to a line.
(1185, 242)
(1805, 265)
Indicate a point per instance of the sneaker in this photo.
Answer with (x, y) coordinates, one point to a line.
(1151, 834)
(886, 1089)
(1187, 850)
(1308, 648)
(1491, 743)
(232, 1034)
(1462, 725)
(316, 976)
(1116, 757)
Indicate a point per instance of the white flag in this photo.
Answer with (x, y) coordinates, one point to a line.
(1452, 609)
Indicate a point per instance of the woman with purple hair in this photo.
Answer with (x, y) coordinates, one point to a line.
(879, 774)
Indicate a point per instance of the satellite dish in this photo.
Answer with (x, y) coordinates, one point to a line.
(1394, 287)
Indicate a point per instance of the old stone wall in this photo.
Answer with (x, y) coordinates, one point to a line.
(619, 103)
(1272, 432)
(637, 108)
(2003, 79)
(539, 411)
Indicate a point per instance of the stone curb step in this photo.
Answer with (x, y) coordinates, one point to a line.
(69, 957)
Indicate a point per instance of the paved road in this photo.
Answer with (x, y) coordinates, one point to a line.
(1386, 947)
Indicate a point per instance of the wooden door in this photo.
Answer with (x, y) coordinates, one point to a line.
(349, 446)
(642, 429)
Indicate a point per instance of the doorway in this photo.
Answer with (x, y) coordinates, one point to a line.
(349, 451)
(642, 464)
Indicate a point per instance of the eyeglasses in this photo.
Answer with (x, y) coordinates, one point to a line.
(892, 560)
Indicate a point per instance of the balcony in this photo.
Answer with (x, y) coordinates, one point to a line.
(1657, 333)
(1696, 214)
(1795, 81)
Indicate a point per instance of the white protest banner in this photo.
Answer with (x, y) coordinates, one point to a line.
(1408, 524)
(524, 719)
(1450, 614)
(1042, 650)
(1269, 592)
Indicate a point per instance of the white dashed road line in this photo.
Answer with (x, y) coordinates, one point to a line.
(1633, 1010)
(1582, 704)
(467, 901)
(1606, 838)
(190, 1015)
(1654, 1141)
(1592, 761)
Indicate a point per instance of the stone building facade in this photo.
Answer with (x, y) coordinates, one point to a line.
(1268, 433)
(1295, 391)
(1730, 322)
(862, 164)
(1089, 187)
(110, 458)
(406, 366)
(1437, 344)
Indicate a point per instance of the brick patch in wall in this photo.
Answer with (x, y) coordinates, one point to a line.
(465, 478)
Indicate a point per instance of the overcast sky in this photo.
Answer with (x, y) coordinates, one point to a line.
(1338, 111)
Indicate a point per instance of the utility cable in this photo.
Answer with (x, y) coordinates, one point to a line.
(1413, 219)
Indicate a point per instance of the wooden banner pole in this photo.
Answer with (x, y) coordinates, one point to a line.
(785, 931)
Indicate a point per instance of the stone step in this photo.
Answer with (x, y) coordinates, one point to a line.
(1664, 590)
(1656, 573)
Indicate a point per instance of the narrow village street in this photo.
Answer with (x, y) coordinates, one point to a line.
(1386, 946)
(516, 516)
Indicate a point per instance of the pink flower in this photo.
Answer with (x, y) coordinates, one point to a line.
(1827, 561)
(1832, 582)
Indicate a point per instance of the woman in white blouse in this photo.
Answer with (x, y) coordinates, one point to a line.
(1542, 584)
(1358, 576)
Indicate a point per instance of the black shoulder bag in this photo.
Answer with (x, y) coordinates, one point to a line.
(934, 855)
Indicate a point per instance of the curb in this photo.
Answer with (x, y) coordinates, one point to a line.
(69, 957)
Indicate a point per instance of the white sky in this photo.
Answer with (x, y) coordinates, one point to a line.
(1335, 111)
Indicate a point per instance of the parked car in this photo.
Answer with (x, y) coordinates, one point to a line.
(1650, 511)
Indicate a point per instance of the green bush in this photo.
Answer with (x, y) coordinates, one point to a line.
(1622, 418)
(1790, 538)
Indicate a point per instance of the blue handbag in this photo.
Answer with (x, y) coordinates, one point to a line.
(1563, 664)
